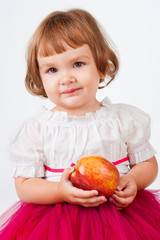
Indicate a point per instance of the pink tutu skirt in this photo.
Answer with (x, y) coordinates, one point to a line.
(140, 220)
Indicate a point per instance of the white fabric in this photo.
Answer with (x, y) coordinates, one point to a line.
(56, 140)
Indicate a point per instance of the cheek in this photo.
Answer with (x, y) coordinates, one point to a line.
(51, 93)
(50, 86)
(93, 81)
(91, 87)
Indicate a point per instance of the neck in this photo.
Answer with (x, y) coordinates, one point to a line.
(81, 111)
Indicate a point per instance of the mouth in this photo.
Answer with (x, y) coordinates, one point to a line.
(71, 91)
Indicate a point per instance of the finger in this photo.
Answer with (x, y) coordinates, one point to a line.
(129, 190)
(94, 201)
(123, 194)
(118, 199)
(123, 201)
(121, 186)
(93, 205)
(79, 193)
(117, 205)
(66, 173)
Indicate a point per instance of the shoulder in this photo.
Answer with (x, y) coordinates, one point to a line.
(30, 127)
(132, 115)
(128, 118)
(38, 118)
(124, 111)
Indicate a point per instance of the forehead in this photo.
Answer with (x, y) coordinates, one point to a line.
(70, 54)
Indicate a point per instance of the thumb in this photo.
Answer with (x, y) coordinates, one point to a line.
(66, 173)
(121, 185)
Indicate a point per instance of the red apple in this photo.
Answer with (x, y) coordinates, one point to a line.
(95, 172)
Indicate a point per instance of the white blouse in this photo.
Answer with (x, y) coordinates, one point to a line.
(49, 142)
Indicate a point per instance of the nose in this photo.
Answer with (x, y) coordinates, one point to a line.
(67, 78)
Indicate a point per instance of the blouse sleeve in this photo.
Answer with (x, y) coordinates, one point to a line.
(136, 130)
(26, 152)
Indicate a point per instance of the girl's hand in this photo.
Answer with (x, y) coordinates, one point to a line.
(69, 193)
(125, 192)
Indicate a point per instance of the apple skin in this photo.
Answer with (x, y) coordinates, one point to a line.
(95, 173)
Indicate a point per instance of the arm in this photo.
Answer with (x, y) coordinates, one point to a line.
(37, 190)
(139, 177)
(144, 173)
(41, 191)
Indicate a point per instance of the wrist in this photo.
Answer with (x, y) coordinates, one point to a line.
(59, 193)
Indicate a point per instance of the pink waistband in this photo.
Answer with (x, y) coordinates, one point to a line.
(60, 170)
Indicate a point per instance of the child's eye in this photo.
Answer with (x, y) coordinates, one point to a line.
(52, 70)
(78, 64)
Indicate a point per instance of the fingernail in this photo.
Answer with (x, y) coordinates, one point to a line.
(96, 193)
(103, 199)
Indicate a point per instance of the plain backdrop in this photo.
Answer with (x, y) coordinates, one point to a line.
(134, 27)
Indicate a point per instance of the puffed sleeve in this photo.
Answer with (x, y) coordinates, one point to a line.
(26, 152)
(136, 131)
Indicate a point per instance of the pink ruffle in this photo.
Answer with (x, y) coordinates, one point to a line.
(139, 221)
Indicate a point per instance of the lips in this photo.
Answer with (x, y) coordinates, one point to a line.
(71, 91)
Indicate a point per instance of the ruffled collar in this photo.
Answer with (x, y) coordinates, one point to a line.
(60, 116)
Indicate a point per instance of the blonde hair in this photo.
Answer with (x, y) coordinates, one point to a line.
(74, 28)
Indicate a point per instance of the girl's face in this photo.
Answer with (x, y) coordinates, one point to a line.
(71, 80)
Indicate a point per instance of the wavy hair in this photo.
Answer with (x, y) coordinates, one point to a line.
(74, 28)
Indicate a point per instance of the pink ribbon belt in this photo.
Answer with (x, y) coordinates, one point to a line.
(60, 170)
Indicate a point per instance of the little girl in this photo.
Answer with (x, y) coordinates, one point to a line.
(68, 60)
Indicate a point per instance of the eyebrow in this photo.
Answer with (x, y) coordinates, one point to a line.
(74, 59)
(46, 64)
(80, 56)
